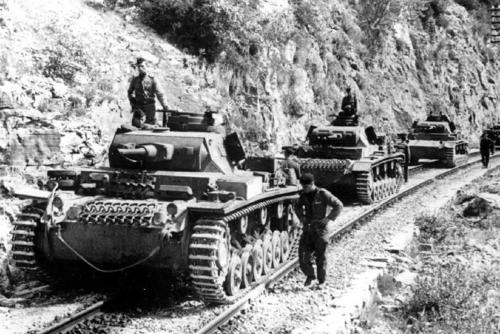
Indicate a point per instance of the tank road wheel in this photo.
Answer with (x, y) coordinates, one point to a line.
(234, 276)
(365, 187)
(262, 216)
(258, 260)
(450, 157)
(247, 269)
(285, 246)
(290, 225)
(267, 249)
(243, 224)
(276, 247)
(280, 210)
(23, 240)
(209, 259)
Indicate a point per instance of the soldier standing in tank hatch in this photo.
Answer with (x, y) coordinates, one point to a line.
(486, 145)
(315, 208)
(142, 92)
(349, 104)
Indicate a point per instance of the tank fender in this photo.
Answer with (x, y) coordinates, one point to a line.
(25, 192)
(360, 166)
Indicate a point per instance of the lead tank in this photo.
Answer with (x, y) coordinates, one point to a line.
(435, 138)
(346, 157)
(170, 199)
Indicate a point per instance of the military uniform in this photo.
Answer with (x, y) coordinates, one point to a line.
(291, 166)
(349, 105)
(142, 92)
(486, 145)
(311, 208)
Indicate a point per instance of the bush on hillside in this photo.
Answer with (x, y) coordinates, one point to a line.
(474, 4)
(455, 299)
(65, 59)
(205, 28)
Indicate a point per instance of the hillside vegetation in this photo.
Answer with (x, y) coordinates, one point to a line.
(272, 67)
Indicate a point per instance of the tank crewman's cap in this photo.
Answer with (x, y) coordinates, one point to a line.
(140, 60)
(307, 178)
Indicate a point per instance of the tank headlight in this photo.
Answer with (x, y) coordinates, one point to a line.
(159, 218)
(74, 212)
(57, 202)
(172, 209)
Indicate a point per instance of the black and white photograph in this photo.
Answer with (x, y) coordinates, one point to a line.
(250, 166)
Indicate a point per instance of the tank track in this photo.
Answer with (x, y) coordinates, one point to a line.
(208, 274)
(450, 157)
(455, 155)
(23, 239)
(370, 190)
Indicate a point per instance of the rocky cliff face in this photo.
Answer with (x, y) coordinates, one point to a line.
(437, 63)
(71, 62)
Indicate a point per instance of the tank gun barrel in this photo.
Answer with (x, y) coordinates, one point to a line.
(148, 152)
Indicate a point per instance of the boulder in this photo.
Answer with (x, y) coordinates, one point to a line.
(482, 205)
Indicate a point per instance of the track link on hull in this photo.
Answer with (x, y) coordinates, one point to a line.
(23, 240)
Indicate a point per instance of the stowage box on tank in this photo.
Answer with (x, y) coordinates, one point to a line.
(169, 199)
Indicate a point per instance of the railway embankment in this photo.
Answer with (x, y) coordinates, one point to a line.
(439, 274)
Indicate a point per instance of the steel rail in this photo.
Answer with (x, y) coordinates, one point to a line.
(288, 267)
(68, 323)
(97, 308)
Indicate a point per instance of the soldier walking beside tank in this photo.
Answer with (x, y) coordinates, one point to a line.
(486, 145)
(404, 146)
(315, 208)
(142, 92)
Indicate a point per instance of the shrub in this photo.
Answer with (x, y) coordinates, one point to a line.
(376, 20)
(455, 299)
(207, 29)
(66, 58)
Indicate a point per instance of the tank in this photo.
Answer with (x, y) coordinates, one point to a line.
(349, 159)
(172, 198)
(435, 138)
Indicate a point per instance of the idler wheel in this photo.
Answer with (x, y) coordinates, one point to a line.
(246, 269)
(276, 247)
(222, 254)
(234, 276)
(258, 261)
(285, 246)
(267, 249)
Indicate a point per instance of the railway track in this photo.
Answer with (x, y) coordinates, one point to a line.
(98, 308)
(234, 309)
